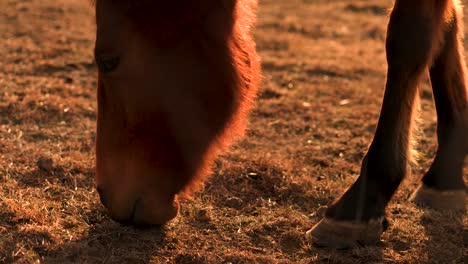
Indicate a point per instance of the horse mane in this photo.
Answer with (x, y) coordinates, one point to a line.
(246, 70)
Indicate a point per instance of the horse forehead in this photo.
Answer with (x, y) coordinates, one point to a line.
(164, 14)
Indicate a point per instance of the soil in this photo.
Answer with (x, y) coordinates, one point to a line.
(323, 79)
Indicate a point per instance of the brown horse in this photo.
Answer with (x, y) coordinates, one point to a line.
(176, 81)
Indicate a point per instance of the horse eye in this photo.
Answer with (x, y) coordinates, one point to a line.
(107, 63)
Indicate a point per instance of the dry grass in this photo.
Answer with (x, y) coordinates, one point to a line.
(324, 66)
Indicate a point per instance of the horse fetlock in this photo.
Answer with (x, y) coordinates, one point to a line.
(444, 200)
(346, 234)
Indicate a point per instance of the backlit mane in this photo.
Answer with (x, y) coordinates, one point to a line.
(244, 84)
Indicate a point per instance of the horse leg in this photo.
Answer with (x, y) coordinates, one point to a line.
(443, 186)
(413, 37)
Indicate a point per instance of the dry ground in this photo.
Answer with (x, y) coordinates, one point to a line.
(324, 73)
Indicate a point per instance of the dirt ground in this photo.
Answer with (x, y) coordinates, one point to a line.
(324, 73)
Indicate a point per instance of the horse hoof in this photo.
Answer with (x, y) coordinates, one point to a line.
(440, 200)
(345, 234)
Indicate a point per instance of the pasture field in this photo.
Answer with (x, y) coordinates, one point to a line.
(323, 78)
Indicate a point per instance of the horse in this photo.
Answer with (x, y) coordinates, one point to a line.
(176, 82)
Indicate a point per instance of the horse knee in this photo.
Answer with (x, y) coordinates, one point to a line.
(409, 42)
(415, 32)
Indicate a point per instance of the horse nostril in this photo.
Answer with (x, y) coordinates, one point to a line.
(136, 214)
(102, 196)
(137, 219)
